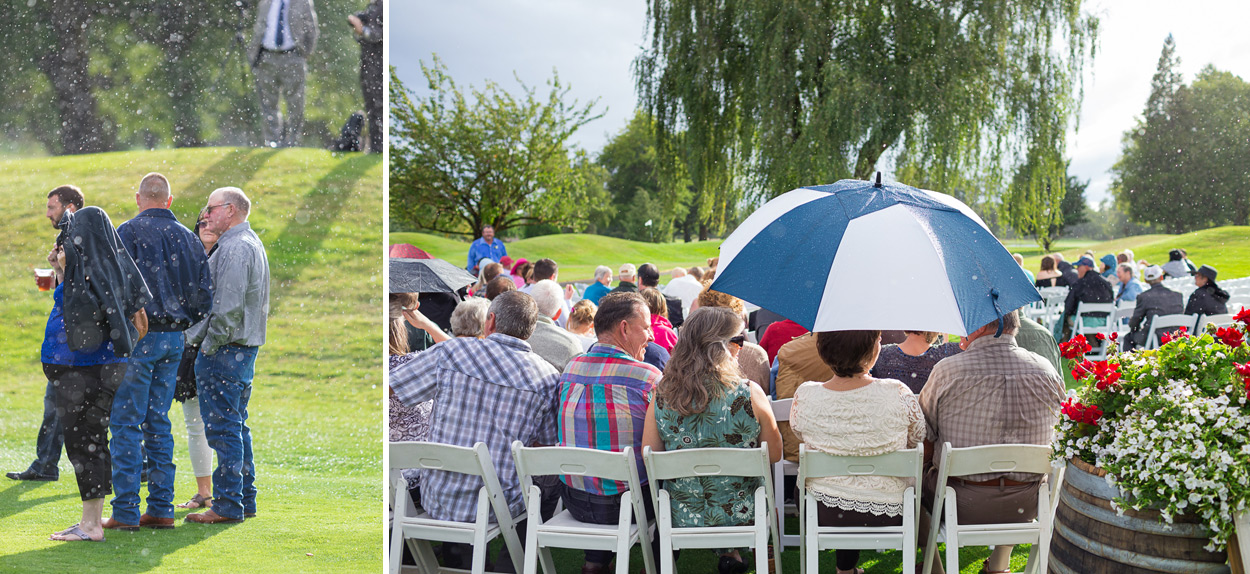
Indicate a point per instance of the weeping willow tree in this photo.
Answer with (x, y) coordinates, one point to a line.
(769, 96)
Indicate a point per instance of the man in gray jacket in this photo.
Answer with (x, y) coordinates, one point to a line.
(229, 340)
(284, 35)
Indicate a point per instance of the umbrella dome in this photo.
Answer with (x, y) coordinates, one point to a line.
(854, 255)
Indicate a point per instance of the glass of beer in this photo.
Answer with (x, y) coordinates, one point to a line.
(43, 279)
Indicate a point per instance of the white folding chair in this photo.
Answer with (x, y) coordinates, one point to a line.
(564, 531)
(782, 469)
(992, 459)
(816, 464)
(1099, 350)
(707, 462)
(420, 529)
(1222, 320)
(1054, 298)
(1117, 322)
(1167, 323)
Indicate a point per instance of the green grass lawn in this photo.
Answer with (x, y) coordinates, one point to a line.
(316, 407)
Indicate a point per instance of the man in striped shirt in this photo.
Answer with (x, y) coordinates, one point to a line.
(604, 395)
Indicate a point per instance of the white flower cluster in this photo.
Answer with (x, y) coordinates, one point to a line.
(1198, 461)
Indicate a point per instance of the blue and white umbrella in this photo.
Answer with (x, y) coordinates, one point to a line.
(854, 255)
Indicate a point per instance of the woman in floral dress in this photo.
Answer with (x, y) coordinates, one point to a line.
(703, 401)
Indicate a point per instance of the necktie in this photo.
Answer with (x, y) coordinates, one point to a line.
(280, 38)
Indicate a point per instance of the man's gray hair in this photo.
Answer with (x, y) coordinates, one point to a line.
(1011, 324)
(602, 271)
(469, 317)
(515, 314)
(547, 295)
(235, 196)
(1131, 268)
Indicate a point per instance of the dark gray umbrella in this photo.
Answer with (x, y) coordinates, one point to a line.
(427, 276)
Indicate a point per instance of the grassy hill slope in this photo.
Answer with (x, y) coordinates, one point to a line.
(578, 254)
(316, 406)
(1225, 248)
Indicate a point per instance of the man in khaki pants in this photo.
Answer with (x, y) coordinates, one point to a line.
(284, 35)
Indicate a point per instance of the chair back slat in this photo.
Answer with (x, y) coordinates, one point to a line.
(781, 409)
(900, 463)
(708, 462)
(1030, 458)
(435, 456)
(540, 461)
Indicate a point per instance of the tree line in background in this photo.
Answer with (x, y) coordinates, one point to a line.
(748, 99)
(85, 76)
(1184, 166)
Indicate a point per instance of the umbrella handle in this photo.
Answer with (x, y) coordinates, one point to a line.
(994, 302)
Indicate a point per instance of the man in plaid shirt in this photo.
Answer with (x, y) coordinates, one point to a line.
(493, 390)
(604, 395)
(995, 392)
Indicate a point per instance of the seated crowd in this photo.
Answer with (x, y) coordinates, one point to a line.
(671, 368)
(1114, 280)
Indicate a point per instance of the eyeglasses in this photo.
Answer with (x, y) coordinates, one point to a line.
(739, 340)
(209, 208)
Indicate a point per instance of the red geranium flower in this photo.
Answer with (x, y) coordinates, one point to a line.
(1088, 414)
(1075, 347)
(1082, 369)
(1243, 316)
(1106, 375)
(1231, 336)
(1180, 333)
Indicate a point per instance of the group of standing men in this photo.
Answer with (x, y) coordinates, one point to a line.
(218, 302)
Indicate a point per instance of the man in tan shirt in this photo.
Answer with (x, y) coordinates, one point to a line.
(995, 392)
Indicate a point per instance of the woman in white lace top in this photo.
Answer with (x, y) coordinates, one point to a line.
(857, 415)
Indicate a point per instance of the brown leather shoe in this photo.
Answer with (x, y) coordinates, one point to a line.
(210, 517)
(111, 524)
(146, 521)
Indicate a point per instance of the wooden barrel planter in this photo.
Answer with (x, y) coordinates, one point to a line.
(1091, 538)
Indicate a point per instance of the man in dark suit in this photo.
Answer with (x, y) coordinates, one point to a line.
(367, 26)
(1090, 288)
(1157, 300)
(284, 35)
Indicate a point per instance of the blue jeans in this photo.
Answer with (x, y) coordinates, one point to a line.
(50, 440)
(140, 422)
(224, 385)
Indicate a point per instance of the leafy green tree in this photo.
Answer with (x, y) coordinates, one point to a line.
(461, 162)
(775, 95)
(1183, 166)
(636, 186)
(1033, 208)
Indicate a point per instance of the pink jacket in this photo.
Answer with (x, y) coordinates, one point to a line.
(665, 335)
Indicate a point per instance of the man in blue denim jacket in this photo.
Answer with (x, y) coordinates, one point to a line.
(229, 340)
(172, 262)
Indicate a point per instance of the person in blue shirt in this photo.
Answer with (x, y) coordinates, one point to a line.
(596, 290)
(172, 262)
(485, 247)
(1129, 287)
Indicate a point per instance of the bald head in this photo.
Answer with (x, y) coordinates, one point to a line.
(227, 207)
(154, 192)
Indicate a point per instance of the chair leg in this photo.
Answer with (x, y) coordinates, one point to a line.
(397, 548)
(423, 554)
(549, 565)
(952, 532)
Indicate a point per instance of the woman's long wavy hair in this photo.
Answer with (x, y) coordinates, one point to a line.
(701, 365)
(399, 326)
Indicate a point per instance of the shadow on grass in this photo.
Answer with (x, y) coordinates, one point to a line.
(234, 169)
(11, 501)
(298, 244)
(119, 553)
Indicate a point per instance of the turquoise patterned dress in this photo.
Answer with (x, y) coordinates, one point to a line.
(728, 422)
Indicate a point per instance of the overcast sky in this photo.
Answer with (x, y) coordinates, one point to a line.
(592, 44)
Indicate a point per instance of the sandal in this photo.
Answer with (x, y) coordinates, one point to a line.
(985, 569)
(198, 501)
(74, 530)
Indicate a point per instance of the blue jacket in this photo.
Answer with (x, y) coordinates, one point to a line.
(172, 262)
(479, 250)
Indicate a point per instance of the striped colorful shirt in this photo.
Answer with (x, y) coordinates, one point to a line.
(604, 395)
